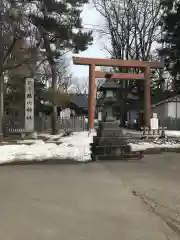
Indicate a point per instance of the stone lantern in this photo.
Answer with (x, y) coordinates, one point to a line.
(110, 144)
(109, 101)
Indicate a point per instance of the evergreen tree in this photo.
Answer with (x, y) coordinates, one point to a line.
(60, 27)
(14, 96)
(171, 39)
(55, 27)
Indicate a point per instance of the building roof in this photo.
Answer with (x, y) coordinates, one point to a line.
(110, 84)
(80, 100)
(169, 99)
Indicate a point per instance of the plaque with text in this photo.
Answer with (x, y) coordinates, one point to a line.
(29, 105)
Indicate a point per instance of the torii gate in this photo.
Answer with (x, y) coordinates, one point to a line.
(93, 74)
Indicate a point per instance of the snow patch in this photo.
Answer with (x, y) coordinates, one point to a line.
(47, 136)
(148, 145)
(30, 141)
(170, 133)
(76, 147)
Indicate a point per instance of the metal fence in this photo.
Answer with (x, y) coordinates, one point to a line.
(43, 124)
(76, 124)
(170, 123)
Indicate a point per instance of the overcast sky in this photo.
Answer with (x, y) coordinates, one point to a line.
(91, 20)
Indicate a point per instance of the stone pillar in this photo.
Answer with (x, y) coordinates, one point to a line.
(29, 105)
(147, 97)
(92, 91)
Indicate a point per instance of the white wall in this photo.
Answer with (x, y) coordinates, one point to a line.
(174, 109)
(161, 111)
(65, 113)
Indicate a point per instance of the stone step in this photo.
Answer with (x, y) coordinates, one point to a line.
(111, 150)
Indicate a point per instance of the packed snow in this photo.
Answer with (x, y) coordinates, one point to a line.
(170, 133)
(149, 145)
(75, 146)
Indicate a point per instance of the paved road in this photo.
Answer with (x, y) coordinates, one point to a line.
(88, 201)
(156, 180)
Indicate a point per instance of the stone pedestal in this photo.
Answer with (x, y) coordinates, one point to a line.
(110, 144)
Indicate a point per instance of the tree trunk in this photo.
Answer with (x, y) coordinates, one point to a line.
(54, 106)
(1, 72)
(1, 106)
(52, 64)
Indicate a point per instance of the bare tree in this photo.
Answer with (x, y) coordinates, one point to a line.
(64, 75)
(133, 26)
(133, 29)
(81, 85)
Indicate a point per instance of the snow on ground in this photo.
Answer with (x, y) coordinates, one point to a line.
(30, 141)
(170, 133)
(47, 136)
(74, 147)
(149, 145)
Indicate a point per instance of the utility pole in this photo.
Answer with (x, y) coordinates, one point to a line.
(1, 70)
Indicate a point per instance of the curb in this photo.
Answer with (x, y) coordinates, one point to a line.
(45, 162)
(160, 150)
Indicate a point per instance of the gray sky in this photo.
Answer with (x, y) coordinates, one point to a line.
(91, 20)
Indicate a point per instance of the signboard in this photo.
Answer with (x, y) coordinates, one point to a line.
(100, 116)
(29, 105)
(154, 122)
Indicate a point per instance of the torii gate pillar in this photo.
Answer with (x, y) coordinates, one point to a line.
(147, 97)
(91, 97)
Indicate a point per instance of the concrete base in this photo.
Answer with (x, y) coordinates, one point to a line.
(110, 144)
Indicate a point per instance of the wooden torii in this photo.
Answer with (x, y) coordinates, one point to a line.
(93, 74)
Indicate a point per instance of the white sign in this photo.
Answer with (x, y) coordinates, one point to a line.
(100, 116)
(29, 105)
(65, 113)
(154, 122)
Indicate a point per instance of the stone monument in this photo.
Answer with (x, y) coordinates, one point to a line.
(110, 143)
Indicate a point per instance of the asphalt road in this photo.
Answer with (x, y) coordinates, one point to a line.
(97, 201)
(156, 180)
